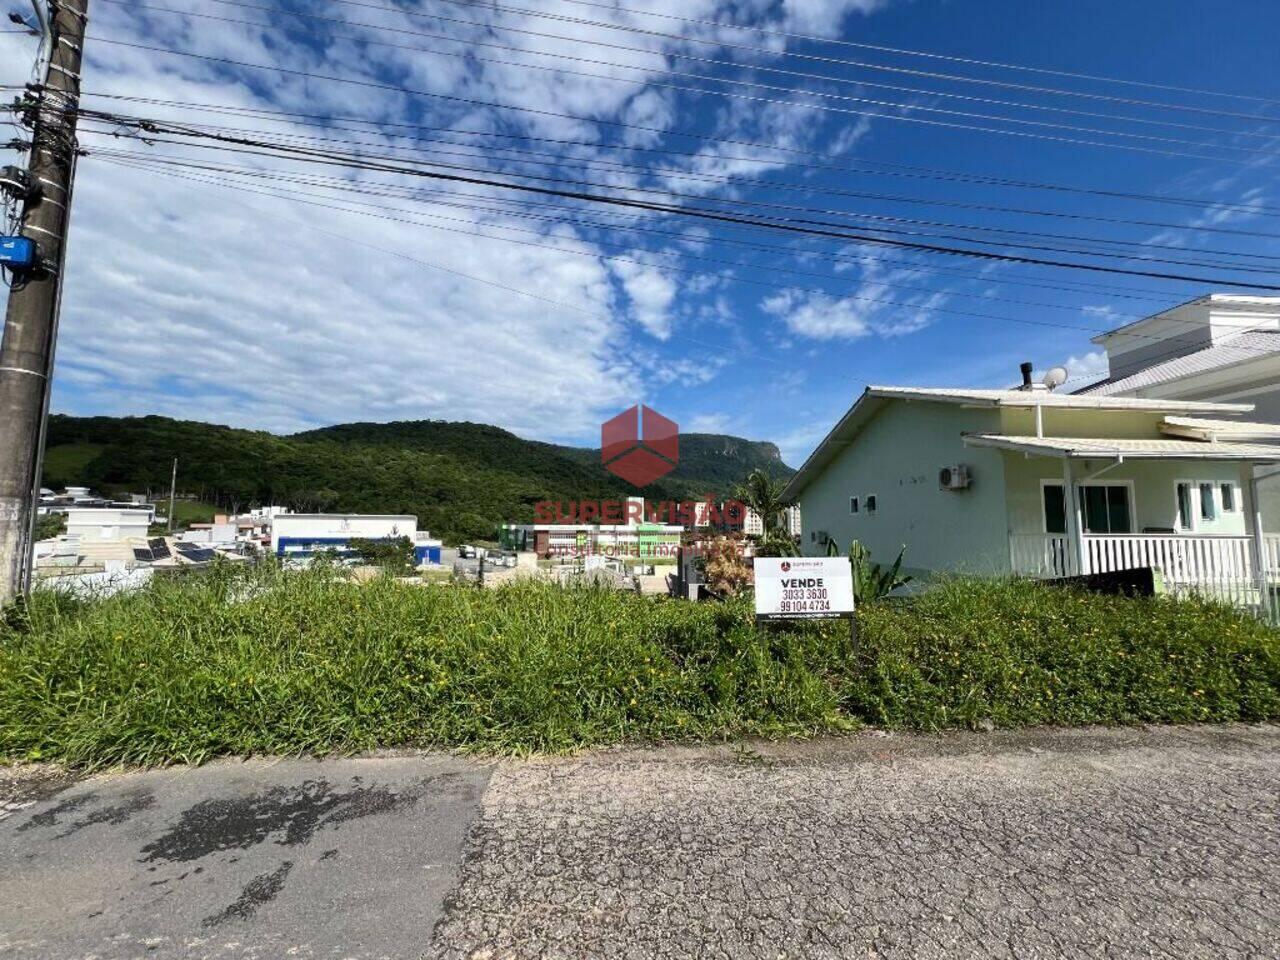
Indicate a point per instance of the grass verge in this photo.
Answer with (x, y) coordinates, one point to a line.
(267, 661)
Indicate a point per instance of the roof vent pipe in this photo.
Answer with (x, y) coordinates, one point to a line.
(1026, 368)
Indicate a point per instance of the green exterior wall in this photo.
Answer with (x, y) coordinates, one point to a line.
(1153, 500)
(897, 456)
(899, 451)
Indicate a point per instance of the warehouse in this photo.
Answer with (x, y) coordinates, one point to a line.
(298, 537)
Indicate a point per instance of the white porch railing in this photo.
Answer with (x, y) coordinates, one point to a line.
(1220, 566)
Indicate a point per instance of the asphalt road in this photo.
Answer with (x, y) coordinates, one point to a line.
(1130, 843)
(340, 859)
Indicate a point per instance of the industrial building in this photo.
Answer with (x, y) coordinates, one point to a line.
(297, 537)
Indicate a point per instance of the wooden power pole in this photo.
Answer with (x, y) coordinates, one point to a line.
(30, 328)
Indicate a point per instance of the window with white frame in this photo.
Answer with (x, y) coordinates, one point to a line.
(1104, 507)
(1208, 505)
(853, 504)
(1230, 502)
(1186, 516)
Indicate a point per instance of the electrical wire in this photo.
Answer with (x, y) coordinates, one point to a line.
(858, 165)
(666, 173)
(367, 211)
(789, 225)
(720, 24)
(903, 118)
(673, 54)
(878, 220)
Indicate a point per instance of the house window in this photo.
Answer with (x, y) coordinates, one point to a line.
(1207, 507)
(1186, 519)
(853, 504)
(1055, 508)
(1104, 508)
(1228, 498)
(871, 503)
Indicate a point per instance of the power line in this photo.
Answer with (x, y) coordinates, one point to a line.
(876, 218)
(630, 226)
(808, 188)
(945, 124)
(354, 161)
(858, 165)
(367, 212)
(675, 54)
(720, 24)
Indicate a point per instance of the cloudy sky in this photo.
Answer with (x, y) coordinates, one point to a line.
(270, 293)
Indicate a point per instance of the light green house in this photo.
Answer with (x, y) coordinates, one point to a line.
(1033, 482)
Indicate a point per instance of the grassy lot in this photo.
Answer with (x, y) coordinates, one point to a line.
(274, 662)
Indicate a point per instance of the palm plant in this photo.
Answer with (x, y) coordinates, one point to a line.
(762, 494)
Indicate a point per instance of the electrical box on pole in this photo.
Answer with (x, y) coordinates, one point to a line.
(19, 254)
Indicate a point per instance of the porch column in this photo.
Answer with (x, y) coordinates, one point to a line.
(1253, 527)
(1075, 522)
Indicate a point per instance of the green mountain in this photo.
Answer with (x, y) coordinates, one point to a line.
(460, 479)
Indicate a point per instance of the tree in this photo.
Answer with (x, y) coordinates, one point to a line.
(394, 556)
(762, 495)
(50, 526)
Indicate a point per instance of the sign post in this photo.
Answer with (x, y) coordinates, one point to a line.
(805, 588)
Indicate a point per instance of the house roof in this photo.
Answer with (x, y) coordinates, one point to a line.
(1096, 447)
(874, 397)
(1230, 430)
(1240, 347)
(1046, 398)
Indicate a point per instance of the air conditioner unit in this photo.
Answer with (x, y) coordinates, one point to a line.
(954, 477)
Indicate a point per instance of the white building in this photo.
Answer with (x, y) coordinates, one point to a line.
(1220, 348)
(96, 524)
(300, 536)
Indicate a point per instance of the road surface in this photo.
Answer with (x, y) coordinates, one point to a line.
(1121, 843)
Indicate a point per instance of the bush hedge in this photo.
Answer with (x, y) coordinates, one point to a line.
(268, 661)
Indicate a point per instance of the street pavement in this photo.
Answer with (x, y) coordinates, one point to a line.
(295, 858)
(1157, 842)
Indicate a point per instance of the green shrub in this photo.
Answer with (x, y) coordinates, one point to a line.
(270, 661)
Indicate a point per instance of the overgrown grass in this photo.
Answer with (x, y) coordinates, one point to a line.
(274, 662)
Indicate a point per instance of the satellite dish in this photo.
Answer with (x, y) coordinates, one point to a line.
(1055, 377)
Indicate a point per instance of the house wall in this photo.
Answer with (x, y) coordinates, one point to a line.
(897, 456)
(1153, 498)
(1059, 422)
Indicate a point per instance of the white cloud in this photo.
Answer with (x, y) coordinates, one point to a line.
(1087, 368)
(196, 301)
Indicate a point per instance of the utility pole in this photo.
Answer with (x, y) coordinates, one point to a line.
(30, 329)
(173, 492)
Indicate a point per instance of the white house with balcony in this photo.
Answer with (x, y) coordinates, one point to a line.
(1032, 482)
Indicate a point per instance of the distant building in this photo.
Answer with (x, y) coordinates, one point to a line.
(635, 538)
(300, 536)
(97, 524)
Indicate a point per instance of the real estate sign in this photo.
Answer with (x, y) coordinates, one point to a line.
(804, 588)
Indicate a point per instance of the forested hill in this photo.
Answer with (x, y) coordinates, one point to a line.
(460, 479)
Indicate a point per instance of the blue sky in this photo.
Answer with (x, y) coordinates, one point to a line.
(217, 295)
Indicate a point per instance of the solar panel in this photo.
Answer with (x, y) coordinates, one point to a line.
(199, 556)
(159, 548)
(142, 555)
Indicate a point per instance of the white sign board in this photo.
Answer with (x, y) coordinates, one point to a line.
(803, 588)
